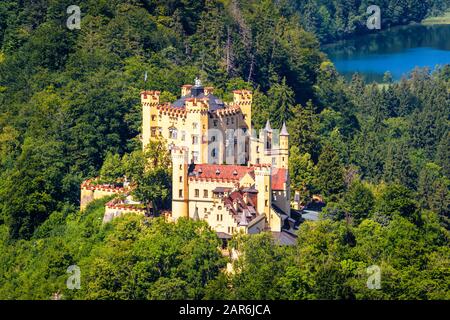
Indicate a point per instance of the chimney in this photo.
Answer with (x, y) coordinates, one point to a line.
(235, 205)
(186, 90)
(245, 197)
(208, 91)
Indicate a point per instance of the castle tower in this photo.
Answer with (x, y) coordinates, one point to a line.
(149, 101)
(283, 154)
(197, 118)
(180, 191)
(263, 183)
(244, 98)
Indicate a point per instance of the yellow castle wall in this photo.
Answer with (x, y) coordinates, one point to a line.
(111, 213)
(196, 120)
(88, 195)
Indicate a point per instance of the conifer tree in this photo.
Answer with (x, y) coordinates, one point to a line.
(330, 173)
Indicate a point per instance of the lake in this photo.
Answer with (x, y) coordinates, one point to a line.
(397, 50)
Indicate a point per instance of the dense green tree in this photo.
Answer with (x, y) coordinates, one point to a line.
(396, 200)
(282, 99)
(330, 174)
(302, 173)
(358, 201)
(398, 167)
(111, 169)
(303, 128)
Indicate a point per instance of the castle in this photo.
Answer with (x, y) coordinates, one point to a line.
(222, 171)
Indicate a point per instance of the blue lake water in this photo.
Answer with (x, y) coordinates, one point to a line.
(397, 50)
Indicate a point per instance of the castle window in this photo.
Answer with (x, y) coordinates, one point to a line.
(180, 193)
(215, 123)
(153, 118)
(213, 138)
(183, 135)
(206, 210)
(267, 188)
(219, 208)
(194, 125)
(194, 139)
(228, 121)
(153, 132)
(213, 153)
(205, 193)
(173, 133)
(197, 193)
(266, 203)
(181, 179)
(257, 149)
(283, 158)
(195, 156)
(181, 167)
(232, 120)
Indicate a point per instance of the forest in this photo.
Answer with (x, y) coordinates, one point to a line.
(70, 110)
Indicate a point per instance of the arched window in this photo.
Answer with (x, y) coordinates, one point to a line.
(173, 133)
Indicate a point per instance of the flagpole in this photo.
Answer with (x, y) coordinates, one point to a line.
(145, 81)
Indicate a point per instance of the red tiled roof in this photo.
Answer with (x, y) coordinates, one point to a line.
(238, 197)
(279, 178)
(216, 171)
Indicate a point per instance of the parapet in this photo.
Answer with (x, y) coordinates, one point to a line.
(150, 98)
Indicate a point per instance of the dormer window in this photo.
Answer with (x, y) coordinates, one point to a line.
(200, 171)
(217, 171)
(235, 172)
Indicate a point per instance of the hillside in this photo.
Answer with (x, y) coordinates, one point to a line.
(69, 104)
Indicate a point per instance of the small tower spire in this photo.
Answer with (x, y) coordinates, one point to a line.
(284, 131)
(268, 128)
(243, 219)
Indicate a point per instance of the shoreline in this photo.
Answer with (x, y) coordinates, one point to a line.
(438, 20)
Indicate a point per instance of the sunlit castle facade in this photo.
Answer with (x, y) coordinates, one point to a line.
(223, 172)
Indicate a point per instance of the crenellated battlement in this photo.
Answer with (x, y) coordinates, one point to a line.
(90, 191)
